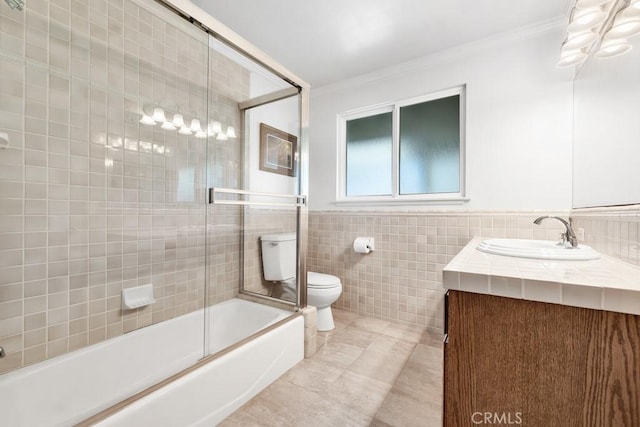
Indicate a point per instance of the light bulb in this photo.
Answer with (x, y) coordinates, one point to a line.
(210, 131)
(195, 125)
(625, 27)
(158, 115)
(168, 126)
(147, 120)
(613, 47)
(586, 18)
(231, 132)
(185, 131)
(571, 57)
(178, 120)
(580, 40)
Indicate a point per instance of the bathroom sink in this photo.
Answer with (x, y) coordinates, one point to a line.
(538, 249)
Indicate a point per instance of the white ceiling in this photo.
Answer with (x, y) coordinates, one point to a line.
(324, 41)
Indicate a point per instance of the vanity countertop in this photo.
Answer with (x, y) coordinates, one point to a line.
(603, 284)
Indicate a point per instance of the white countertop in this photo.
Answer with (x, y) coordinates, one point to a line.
(604, 284)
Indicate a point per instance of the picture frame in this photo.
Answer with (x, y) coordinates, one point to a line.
(278, 151)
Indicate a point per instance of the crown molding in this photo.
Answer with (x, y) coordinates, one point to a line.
(494, 41)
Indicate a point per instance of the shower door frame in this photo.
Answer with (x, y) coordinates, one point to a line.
(222, 33)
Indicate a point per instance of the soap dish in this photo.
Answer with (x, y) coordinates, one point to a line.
(139, 296)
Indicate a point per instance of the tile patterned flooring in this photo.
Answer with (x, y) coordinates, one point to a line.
(367, 372)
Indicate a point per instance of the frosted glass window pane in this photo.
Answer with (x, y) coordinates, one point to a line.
(430, 147)
(369, 155)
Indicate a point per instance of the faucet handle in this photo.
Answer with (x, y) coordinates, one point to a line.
(563, 239)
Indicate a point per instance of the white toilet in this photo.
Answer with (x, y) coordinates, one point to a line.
(279, 265)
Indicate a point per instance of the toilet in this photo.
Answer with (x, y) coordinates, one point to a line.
(279, 265)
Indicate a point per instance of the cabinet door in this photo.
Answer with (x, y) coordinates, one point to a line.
(483, 360)
(539, 364)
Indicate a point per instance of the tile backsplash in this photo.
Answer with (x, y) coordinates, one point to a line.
(612, 231)
(402, 279)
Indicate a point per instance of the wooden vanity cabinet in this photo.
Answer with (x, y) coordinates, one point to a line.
(517, 362)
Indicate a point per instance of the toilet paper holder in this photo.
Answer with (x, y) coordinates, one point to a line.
(364, 245)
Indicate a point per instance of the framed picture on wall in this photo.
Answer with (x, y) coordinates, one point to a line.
(277, 151)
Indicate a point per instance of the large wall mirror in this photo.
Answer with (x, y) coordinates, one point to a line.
(606, 159)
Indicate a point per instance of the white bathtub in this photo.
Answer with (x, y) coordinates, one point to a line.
(70, 388)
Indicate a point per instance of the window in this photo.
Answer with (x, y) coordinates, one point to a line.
(408, 151)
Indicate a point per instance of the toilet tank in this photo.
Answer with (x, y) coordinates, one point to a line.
(278, 256)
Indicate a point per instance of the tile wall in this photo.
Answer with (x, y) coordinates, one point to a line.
(223, 253)
(402, 280)
(613, 231)
(91, 201)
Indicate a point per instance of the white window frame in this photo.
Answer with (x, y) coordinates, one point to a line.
(396, 197)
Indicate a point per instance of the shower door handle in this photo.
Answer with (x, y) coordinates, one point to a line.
(298, 199)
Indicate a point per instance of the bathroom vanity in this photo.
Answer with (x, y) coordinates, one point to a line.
(541, 343)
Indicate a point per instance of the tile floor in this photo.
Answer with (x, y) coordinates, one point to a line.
(367, 372)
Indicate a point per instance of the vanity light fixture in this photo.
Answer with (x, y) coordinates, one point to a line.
(178, 120)
(585, 19)
(626, 24)
(599, 27)
(571, 57)
(168, 126)
(613, 47)
(147, 120)
(211, 129)
(195, 126)
(158, 115)
(580, 40)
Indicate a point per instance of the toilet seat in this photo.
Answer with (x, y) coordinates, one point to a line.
(321, 281)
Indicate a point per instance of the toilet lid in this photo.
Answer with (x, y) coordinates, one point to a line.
(320, 280)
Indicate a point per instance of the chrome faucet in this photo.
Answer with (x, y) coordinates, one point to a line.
(568, 235)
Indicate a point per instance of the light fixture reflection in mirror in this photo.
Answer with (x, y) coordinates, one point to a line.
(213, 128)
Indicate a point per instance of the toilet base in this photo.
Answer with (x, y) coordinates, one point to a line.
(325, 319)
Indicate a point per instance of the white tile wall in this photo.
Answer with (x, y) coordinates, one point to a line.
(613, 231)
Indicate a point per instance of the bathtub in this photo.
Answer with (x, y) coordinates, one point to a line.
(69, 389)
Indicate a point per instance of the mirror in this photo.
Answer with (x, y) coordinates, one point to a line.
(606, 153)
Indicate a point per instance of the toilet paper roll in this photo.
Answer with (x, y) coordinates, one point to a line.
(362, 245)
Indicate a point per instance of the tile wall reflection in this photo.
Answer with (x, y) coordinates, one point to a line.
(91, 200)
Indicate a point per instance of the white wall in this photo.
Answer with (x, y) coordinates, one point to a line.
(519, 115)
(283, 115)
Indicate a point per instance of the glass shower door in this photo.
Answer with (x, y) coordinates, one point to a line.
(246, 200)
